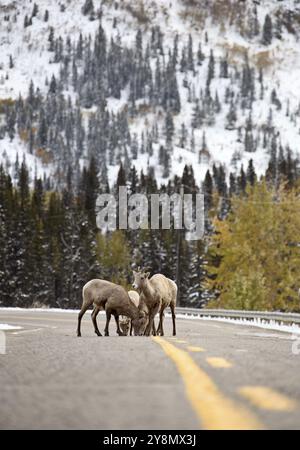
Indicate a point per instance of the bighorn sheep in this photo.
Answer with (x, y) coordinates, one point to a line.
(156, 294)
(125, 322)
(114, 300)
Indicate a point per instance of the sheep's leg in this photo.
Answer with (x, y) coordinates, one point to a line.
(172, 306)
(150, 327)
(160, 329)
(119, 331)
(108, 317)
(154, 332)
(94, 316)
(131, 328)
(84, 308)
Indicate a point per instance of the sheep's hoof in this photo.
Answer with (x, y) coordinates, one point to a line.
(78, 334)
(106, 333)
(98, 333)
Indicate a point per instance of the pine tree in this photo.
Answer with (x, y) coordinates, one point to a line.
(232, 184)
(53, 86)
(278, 28)
(51, 40)
(169, 127)
(200, 55)
(190, 55)
(26, 21)
(43, 129)
(231, 117)
(242, 181)
(208, 190)
(11, 123)
(88, 7)
(249, 140)
(224, 67)
(251, 175)
(134, 147)
(35, 10)
(211, 68)
(183, 136)
(275, 100)
(267, 33)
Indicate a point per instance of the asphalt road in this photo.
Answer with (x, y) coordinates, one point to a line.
(213, 375)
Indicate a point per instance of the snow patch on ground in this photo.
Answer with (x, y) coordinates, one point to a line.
(5, 326)
(47, 310)
(260, 323)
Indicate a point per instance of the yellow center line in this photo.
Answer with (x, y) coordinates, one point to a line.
(193, 348)
(267, 398)
(180, 341)
(219, 362)
(213, 409)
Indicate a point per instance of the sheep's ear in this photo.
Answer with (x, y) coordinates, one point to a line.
(147, 274)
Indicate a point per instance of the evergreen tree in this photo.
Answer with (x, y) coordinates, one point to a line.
(169, 127)
(88, 7)
(208, 190)
(251, 175)
(35, 10)
(267, 33)
(183, 136)
(51, 40)
(211, 68)
(190, 55)
(231, 117)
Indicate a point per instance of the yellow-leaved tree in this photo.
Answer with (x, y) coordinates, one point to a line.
(114, 257)
(254, 257)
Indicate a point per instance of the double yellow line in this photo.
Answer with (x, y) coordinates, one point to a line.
(214, 410)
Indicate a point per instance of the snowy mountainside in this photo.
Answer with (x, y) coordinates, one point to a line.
(224, 118)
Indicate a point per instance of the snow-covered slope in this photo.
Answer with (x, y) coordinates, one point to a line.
(218, 26)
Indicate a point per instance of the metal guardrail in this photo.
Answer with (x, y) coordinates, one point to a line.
(288, 318)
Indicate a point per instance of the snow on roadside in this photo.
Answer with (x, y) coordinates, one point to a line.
(5, 327)
(259, 323)
(51, 310)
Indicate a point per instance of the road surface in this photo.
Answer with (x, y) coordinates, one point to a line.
(211, 376)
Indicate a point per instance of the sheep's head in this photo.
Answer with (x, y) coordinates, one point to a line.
(140, 278)
(125, 325)
(139, 324)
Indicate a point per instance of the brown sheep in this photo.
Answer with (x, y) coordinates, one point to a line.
(125, 322)
(112, 298)
(156, 294)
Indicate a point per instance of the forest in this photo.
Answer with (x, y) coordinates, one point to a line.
(248, 259)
